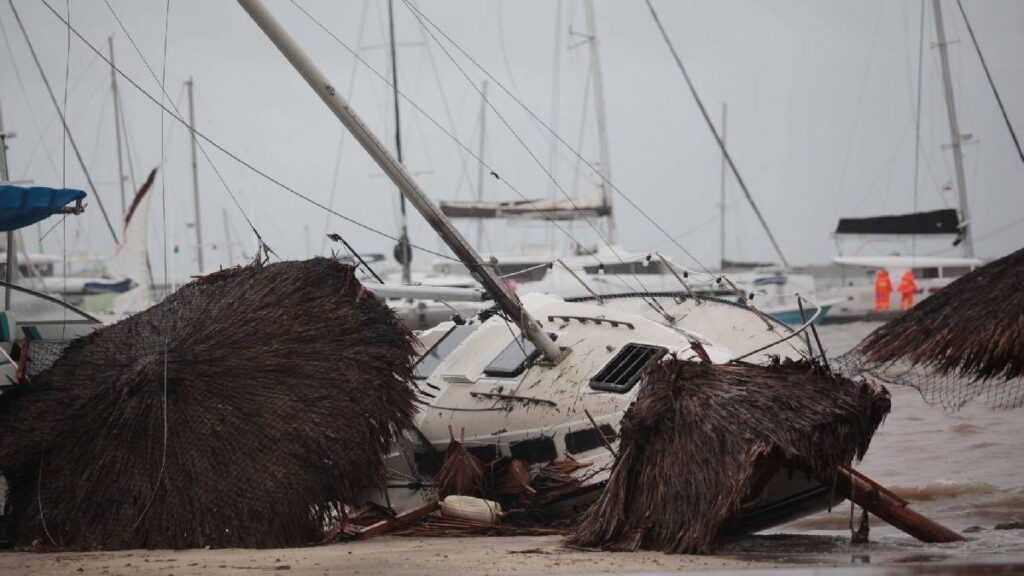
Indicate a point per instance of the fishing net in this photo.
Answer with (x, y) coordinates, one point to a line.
(951, 391)
(247, 409)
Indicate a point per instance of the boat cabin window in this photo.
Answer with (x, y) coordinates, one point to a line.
(955, 271)
(929, 273)
(623, 371)
(514, 359)
(441, 349)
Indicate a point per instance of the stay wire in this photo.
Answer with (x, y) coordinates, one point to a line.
(163, 192)
(198, 133)
(714, 132)
(991, 82)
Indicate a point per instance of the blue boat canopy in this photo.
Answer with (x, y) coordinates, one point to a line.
(22, 206)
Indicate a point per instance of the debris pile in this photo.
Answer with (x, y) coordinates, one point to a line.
(699, 437)
(246, 410)
(466, 485)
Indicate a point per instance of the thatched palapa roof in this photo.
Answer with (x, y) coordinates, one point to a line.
(240, 411)
(694, 442)
(974, 327)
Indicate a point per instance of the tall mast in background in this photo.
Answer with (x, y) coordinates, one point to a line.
(721, 197)
(117, 127)
(602, 127)
(480, 165)
(12, 253)
(954, 131)
(195, 177)
(403, 244)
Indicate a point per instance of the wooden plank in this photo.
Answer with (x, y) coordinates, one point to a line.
(871, 496)
(400, 521)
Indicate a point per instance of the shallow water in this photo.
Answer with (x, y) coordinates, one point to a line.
(963, 469)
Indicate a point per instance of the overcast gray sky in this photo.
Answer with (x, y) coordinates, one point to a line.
(821, 99)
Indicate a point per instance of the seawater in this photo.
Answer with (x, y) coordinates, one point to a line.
(964, 470)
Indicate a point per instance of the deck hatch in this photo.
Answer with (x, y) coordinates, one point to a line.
(623, 371)
(514, 359)
(432, 358)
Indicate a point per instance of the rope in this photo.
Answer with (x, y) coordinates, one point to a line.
(991, 83)
(714, 132)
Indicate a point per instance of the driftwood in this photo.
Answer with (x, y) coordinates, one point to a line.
(974, 327)
(244, 410)
(693, 442)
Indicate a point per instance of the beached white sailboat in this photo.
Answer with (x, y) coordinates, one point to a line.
(541, 378)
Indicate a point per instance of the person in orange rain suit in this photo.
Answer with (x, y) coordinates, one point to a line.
(883, 288)
(906, 289)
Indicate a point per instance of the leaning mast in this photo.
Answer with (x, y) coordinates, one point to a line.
(604, 168)
(12, 253)
(403, 240)
(117, 127)
(488, 277)
(195, 177)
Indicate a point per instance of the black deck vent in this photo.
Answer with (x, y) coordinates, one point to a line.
(623, 371)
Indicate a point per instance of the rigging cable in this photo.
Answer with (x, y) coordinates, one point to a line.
(991, 82)
(163, 194)
(714, 132)
(67, 129)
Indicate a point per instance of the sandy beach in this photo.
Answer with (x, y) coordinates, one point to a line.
(520, 555)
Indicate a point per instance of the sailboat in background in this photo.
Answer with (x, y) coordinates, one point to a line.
(856, 297)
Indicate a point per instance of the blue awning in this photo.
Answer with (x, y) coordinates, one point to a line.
(23, 206)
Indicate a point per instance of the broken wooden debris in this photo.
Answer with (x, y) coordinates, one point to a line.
(881, 502)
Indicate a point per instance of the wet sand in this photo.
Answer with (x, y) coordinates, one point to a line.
(393, 555)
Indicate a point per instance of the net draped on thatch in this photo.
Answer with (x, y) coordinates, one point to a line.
(965, 341)
(242, 411)
(694, 440)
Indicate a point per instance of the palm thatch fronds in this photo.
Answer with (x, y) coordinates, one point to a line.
(693, 442)
(240, 412)
(972, 328)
